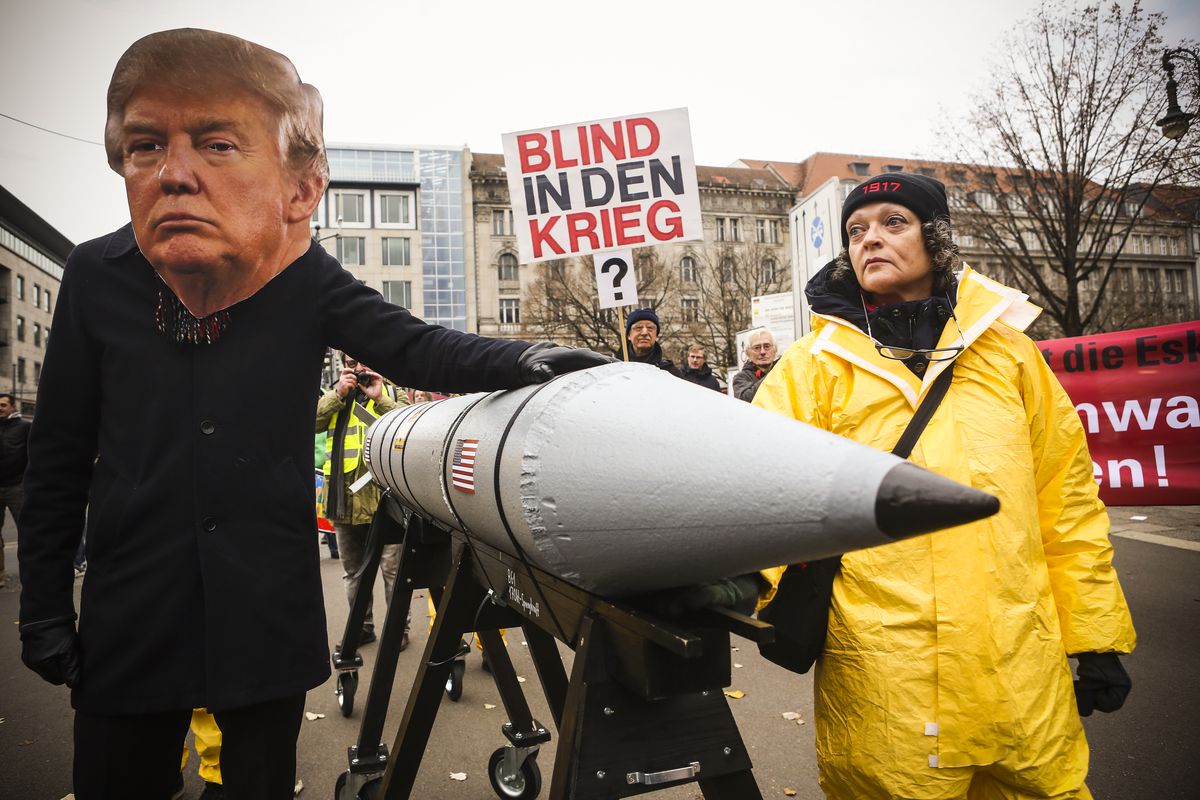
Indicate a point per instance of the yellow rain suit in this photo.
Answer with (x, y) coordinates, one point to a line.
(947, 654)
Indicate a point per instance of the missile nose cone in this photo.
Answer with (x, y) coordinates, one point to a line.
(912, 500)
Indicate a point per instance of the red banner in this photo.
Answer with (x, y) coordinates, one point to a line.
(1138, 395)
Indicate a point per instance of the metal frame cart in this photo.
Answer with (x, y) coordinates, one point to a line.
(642, 709)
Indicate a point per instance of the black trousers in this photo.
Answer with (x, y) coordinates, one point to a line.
(137, 757)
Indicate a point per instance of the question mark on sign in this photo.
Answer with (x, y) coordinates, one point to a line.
(622, 269)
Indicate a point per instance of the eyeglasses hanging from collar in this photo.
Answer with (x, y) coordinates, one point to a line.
(905, 353)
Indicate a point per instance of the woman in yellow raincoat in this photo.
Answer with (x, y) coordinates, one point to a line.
(945, 672)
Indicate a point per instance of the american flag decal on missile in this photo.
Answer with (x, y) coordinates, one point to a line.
(462, 470)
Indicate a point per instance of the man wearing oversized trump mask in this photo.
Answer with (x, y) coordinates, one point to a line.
(203, 587)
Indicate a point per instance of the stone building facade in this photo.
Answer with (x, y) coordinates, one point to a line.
(32, 255)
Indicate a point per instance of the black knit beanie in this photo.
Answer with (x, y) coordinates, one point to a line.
(924, 196)
(639, 315)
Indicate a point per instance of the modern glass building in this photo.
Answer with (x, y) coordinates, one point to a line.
(392, 209)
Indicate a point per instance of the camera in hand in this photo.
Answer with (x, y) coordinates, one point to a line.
(364, 378)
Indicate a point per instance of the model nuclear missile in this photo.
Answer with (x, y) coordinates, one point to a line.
(623, 479)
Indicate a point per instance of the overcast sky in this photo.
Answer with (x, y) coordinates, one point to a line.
(762, 79)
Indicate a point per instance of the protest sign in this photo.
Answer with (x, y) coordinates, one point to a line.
(603, 185)
(1138, 395)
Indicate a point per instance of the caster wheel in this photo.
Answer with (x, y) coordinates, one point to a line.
(454, 683)
(369, 790)
(525, 785)
(347, 685)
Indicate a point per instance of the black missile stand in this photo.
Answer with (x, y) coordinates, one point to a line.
(424, 562)
(642, 710)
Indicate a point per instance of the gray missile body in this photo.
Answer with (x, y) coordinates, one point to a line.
(623, 479)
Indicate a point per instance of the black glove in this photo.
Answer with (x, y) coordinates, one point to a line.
(545, 360)
(721, 593)
(1102, 684)
(51, 649)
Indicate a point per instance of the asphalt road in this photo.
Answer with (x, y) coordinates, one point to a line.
(1147, 750)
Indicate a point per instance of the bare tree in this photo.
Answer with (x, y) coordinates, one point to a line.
(726, 278)
(563, 302)
(1070, 123)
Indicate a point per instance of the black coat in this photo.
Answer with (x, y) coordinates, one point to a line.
(655, 357)
(203, 586)
(14, 438)
(700, 377)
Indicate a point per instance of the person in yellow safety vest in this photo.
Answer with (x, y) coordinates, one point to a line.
(345, 411)
(208, 748)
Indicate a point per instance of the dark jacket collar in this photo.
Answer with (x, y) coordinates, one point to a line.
(121, 242)
(653, 357)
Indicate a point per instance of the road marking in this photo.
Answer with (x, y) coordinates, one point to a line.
(1154, 538)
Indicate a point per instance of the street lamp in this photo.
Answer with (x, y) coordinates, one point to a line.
(1177, 121)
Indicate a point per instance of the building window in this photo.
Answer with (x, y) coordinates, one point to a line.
(928, 172)
(20, 370)
(1173, 282)
(394, 209)
(20, 329)
(767, 231)
(37, 296)
(37, 334)
(893, 168)
(1126, 282)
(510, 312)
(689, 309)
(1149, 280)
(398, 292)
(46, 297)
(1174, 245)
(985, 200)
(502, 222)
(20, 287)
(726, 270)
(351, 208)
(350, 250)
(397, 251)
(37, 371)
(862, 168)
(767, 271)
(687, 269)
(509, 271)
(728, 229)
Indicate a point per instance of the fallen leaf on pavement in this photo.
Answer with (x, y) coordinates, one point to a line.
(789, 792)
(458, 776)
(737, 666)
(299, 784)
(312, 716)
(790, 715)
(520, 679)
(736, 694)
(489, 706)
